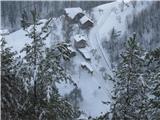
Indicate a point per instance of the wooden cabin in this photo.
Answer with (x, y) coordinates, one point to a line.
(88, 67)
(80, 41)
(72, 52)
(85, 52)
(73, 14)
(86, 23)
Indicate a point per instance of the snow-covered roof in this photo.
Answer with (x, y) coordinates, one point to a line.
(71, 49)
(78, 38)
(88, 66)
(84, 19)
(83, 117)
(72, 12)
(85, 52)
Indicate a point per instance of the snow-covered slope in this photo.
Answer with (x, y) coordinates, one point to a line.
(18, 39)
(113, 15)
(95, 87)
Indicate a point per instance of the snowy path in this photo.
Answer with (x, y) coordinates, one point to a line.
(95, 43)
(106, 58)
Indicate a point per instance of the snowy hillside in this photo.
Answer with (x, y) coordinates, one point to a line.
(114, 15)
(91, 76)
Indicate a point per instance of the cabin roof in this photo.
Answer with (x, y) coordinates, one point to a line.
(72, 12)
(84, 19)
(71, 49)
(85, 52)
(88, 66)
(78, 38)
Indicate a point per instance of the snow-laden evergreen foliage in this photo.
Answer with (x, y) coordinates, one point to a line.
(39, 70)
(130, 91)
(137, 86)
(75, 97)
(11, 86)
(153, 78)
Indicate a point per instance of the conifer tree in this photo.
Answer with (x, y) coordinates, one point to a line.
(41, 69)
(11, 86)
(75, 97)
(130, 90)
(153, 76)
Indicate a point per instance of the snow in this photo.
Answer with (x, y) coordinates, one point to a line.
(83, 117)
(88, 83)
(106, 17)
(109, 16)
(18, 39)
(84, 19)
(114, 15)
(72, 12)
(4, 32)
(78, 38)
(64, 88)
(57, 30)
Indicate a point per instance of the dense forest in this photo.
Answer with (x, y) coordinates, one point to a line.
(11, 10)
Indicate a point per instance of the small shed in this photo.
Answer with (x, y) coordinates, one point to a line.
(85, 52)
(87, 66)
(72, 52)
(74, 14)
(86, 22)
(80, 41)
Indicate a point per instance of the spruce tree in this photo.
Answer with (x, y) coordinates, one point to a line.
(75, 97)
(41, 69)
(130, 91)
(11, 86)
(153, 76)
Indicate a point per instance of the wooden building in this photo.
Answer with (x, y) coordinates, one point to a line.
(80, 41)
(73, 14)
(86, 23)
